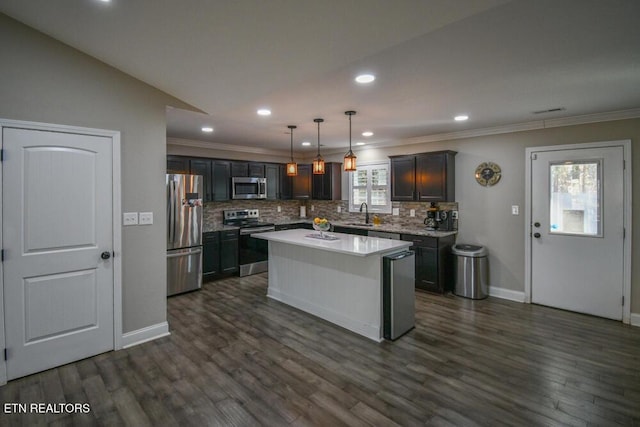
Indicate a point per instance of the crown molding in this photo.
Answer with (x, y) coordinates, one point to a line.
(523, 127)
(225, 147)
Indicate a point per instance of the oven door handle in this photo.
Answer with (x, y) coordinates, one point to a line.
(245, 231)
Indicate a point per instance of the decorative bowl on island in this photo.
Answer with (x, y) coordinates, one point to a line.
(322, 225)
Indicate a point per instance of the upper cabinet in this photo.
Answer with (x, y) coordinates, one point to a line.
(177, 164)
(251, 169)
(425, 177)
(328, 186)
(301, 188)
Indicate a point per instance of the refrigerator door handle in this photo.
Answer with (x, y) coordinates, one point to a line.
(183, 252)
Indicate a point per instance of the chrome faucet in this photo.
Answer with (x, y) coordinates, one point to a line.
(366, 212)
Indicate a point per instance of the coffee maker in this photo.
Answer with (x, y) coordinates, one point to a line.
(430, 220)
(444, 220)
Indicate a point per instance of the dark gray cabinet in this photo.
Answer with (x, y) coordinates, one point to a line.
(301, 188)
(203, 167)
(274, 182)
(210, 255)
(221, 180)
(426, 177)
(328, 186)
(229, 245)
(434, 262)
(257, 170)
(239, 169)
(350, 230)
(177, 164)
(294, 226)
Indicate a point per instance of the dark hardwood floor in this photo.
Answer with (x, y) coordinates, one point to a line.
(237, 358)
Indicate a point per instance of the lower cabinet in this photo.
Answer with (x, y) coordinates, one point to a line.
(219, 253)
(350, 230)
(294, 226)
(434, 262)
(210, 255)
(229, 241)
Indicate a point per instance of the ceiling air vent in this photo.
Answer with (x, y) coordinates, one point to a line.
(550, 110)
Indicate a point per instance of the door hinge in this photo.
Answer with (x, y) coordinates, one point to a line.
(623, 300)
(1, 255)
(1, 154)
(534, 156)
(6, 354)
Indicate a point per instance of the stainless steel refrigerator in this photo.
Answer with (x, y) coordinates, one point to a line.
(184, 233)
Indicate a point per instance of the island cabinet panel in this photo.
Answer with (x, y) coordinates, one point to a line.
(221, 180)
(210, 255)
(403, 178)
(229, 245)
(328, 186)
(302, 182)
(177, 164)
(424, 177)
(434, 262)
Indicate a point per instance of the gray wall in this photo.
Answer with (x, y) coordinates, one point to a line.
(43, 80)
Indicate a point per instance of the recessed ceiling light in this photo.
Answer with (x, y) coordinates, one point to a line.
(264, 112)
(105, 1)
(367, 133)
(365, 78)
(207, 129)
(306, 143)
(461, 118)
(359, 143)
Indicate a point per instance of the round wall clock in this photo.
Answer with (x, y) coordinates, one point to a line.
(488, 173)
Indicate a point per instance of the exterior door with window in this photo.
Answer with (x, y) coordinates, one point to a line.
(577, 230)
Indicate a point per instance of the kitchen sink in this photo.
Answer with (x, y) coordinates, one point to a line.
(360, 224)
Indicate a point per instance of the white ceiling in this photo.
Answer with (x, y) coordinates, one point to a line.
(495, 60)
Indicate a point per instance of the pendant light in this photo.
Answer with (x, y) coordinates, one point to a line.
(350, 158)
(318, 162)
(292, 167)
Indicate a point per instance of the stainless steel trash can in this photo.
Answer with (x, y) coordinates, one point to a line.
(470, 271)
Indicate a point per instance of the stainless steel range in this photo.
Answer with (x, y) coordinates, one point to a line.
(253, 253)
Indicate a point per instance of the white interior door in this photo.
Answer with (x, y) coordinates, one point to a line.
(577, 226)
(56, 225)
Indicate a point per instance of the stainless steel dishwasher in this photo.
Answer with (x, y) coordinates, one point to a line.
(398, 294)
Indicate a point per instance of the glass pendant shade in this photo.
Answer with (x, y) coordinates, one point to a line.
(349, 158)
(318, 162)
(292, 167)
(350, 162)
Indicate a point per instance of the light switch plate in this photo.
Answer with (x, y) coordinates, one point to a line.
(454, 214)
(146, 218)
(395, 211)
(515, 210)
(130, 218)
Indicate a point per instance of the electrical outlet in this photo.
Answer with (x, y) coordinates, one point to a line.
(279, 208)
(146, 218)
(412, 212)
(395, 211)
(130, 218)
(339, 209)
(515, 210)
(313, 208)
(454, 214)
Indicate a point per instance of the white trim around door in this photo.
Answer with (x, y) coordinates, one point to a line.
(117, 223)
(627, 209)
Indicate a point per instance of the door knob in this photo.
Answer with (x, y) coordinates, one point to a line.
(105, 255)
(536, 224)
(536, 235)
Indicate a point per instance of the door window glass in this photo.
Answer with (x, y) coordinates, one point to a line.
(576, 198)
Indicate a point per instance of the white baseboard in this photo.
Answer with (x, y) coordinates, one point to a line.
(507, 294)
(635, 319)
(149, 333)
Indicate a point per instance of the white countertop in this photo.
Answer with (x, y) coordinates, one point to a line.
(347, 244)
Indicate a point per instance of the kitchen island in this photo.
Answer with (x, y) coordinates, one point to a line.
(337, 280)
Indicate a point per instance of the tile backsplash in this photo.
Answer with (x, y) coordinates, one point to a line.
(290, 211)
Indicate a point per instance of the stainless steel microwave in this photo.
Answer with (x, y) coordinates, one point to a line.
(248, 188)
